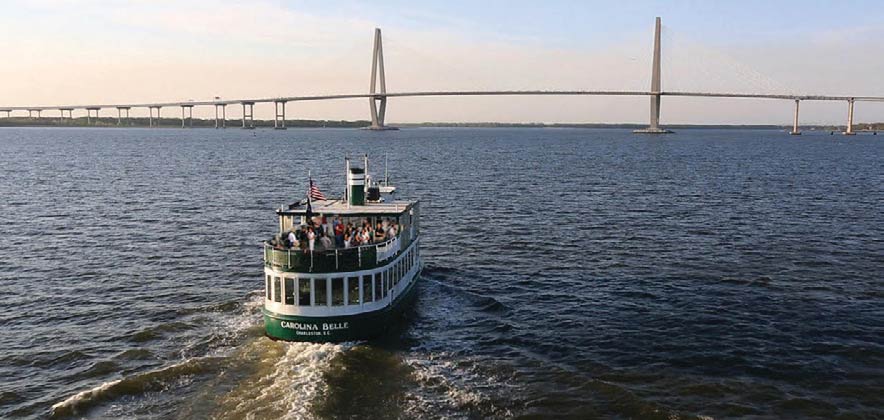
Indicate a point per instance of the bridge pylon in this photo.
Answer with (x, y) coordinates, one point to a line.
(849, 131)
(654, 126)
(795, 131)
(378, 88)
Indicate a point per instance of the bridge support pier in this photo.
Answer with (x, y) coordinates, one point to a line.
(795, 131)
(222, 123)
(150, 121)
(849, 131)
(654, 125)
(89, 115)
(248, 114)
(70, 114)
(120, 110)
(189, 108)
(378, 102)
(279, 118)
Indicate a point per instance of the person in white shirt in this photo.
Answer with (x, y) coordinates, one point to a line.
(366, 236)
(293, 241)
(311, 239)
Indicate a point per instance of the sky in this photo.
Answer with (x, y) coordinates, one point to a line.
(60, 52)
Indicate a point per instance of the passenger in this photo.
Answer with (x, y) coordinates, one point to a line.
(347, 239)
(357, 237)
(292, 240)
(379, 233)
(366, 236)
(323, 223)
(311, 239)
(326, 242)
(391, 233)
(339, 232)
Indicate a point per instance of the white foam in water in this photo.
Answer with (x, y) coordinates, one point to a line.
(300, 373)
(228, 325)
(447, 387)
(84, 396)
(100, 391)
(290, 388)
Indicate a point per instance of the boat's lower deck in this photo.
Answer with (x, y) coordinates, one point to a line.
(361, 326)
(339, 306)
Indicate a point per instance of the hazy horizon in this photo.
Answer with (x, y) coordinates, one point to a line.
(74, 52)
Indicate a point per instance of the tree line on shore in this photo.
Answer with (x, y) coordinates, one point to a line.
(17, 121)
(164, 122)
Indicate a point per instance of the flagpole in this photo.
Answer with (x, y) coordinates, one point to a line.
(347, 180)
(307, 215)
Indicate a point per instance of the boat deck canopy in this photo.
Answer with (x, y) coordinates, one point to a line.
(340, 207)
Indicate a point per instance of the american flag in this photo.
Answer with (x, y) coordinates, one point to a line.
(313, 192)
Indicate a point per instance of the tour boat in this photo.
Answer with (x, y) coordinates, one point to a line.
(342, 291)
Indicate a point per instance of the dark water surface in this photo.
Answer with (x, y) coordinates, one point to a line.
(568, 273)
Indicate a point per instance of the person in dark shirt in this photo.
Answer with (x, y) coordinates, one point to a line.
(339, 232)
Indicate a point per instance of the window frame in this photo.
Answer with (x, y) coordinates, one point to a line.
(309, 283)
(277, 289)
(287, 293)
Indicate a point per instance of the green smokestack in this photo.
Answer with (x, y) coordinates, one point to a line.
(356, 185)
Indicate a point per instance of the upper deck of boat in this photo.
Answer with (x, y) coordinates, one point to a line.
(340, 207)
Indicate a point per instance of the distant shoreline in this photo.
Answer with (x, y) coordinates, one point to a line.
(210, 123)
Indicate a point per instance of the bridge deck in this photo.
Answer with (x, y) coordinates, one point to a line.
(453, 93)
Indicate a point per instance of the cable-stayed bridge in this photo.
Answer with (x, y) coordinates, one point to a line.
(378, 96)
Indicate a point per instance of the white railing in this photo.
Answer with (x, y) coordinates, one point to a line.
(388, 249)
(297, 258)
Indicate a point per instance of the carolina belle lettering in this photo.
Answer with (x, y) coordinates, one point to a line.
(332, 326)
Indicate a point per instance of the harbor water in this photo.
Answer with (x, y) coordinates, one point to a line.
(568, 273)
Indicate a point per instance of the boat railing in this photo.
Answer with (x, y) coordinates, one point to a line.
(338, 259)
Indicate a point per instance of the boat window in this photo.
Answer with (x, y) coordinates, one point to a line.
(277, 294)
(267, 288)
(378, 285)
(304, 292)
(320, 292)
(289, 288)
(386, 282)
(367, 292)
(353, 290)
(337, 291)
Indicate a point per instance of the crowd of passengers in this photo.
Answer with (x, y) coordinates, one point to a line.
(318, 235)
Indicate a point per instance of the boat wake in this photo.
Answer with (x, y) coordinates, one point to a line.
(288, 381)
(202, 352)
(154, 380)
(452, 388)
